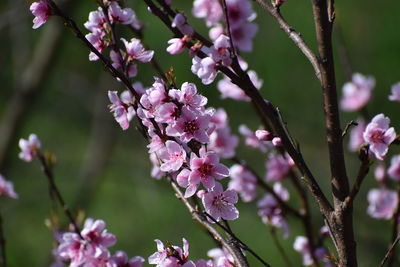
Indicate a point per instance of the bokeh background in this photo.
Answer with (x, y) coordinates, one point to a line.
(48, 83)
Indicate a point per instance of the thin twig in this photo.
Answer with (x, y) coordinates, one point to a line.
(293, 35)
(50, 178)
(228, 28)
(242, 245)
(390, 251)
(362, 173)
(278, 245)
(3, 255)
(348, 126)
(395, 229)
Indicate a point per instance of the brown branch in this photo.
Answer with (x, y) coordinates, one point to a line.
(228, 28)
(292, 34)
(390, 251)
(342, 222)
(348, 126)
(395, 230)
(362, 173)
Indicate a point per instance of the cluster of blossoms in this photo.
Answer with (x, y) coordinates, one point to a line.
(90, 248)
(302, 245)
(187, 141)
(378, 135)
(174, 256)
(100, 25)
(241, 15)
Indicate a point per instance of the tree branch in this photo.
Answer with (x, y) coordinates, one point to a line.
(292, 34)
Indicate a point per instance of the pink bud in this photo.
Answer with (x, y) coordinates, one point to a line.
(264, 135)
(276, 141)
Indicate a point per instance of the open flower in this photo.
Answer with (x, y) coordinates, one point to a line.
(395, 96)
(379, 136)
(7, 188)
(41, 10)
(357, 93)
(382, 203)
(220, 204)
(29, 147)
(122, 107)
(136, 51)
(173, 156)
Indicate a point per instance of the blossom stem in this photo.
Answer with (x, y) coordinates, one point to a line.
(3, 256)
(228, 28)
(395, 229)
(278, 245)
(50, 178)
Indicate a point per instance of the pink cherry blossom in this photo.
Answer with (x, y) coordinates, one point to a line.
(156, 173)
(94, 231)
(119, 15)
(357, 135)
(179, 22)
(219, 119)
(302, 245)
(220, 204)
(205, 69)
(394, 169)
(264, 135)
(243, 182)
(122, 107)
(395, 96)
(251, 139)
(276, 141)
(220, 50)
(357, 93)
(97, 21)
(242, 36)
(205, 170)
(382, 203)
(240, 11)
(190, 126)
(210, 10)
(188, 96)
(41, 10)
(231, 90)
(277, 168)
(270, 211)
(379, 136)
(177, 45)
(96, 39)
(221, 257)
(29, 147)
(173, 156)
(223, 142)
(136, 51)
(167, 113)
(120, 259)
(7, 188)
(171, 256)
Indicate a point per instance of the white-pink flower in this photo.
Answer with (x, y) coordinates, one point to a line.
(96, 21)
(277, 168)
(188, 96)
(119, 15)
(171, 256)
(136, 51)
(205, 69)
(379, 136)
(122, 107)
(120, 259)
(29, 147)
(221, 204)
(251, 139)
(173, 157)
(94, 231)
(395, 90)
(394, 169)
(204, 170)
(177, 45)
(7, 188)
(243, 182)
(223, 142)
(357, 93)
(382, 203)
(242, 36)
(41, 10)
(210, 10)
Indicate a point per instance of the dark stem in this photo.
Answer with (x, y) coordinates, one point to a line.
(228, 28)
(281, 250)
(395, 230)
(3, 256)
(50, 178)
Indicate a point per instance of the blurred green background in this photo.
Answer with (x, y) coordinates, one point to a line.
(67, 108)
